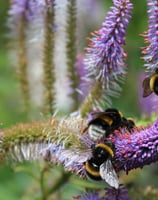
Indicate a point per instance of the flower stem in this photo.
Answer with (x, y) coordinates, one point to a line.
(48, 62)
(71, 51)
(42, 183)
(22, 65)
(89, 102)
(64, 178)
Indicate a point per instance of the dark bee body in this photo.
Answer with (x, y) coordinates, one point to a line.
(99, 126)
(104, 123)
(150, 84)
(100, 154)
(99, 166)
(116, 117)
(128, 123)
(154, 83)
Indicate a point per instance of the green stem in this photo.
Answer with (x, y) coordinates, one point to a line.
(22, 65)
(86, 184)
(48, 62)
(64, 178)
(71, 51)
(45, 169)
(26, 170)
(93, 96)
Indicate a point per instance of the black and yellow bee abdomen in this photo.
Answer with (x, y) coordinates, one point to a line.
(154, 83)
(101, 152)
(116, 117)
(92, 171)
(102, 120)
(99, 127)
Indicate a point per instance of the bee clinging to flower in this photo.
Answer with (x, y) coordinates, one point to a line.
(150, 84)
(104, 123)
(99, 166)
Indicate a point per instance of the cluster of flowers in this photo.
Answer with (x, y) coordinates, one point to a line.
(132, 150)
(30, 9)
(111, 194)
(104, 62)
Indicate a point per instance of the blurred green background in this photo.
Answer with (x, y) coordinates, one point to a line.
(11, 108)
(13, 185)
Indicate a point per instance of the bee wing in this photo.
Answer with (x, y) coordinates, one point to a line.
(76, 155)
(107, 173)
(95, 115)
(96, 132)
(56, 153)
(146, 86)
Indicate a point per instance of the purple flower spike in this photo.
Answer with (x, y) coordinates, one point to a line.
(111, 194)
(105, 57)
(120, 194)
(137, 149)
(28, 8)
(81, 71)
(89, 196)
(151, 51)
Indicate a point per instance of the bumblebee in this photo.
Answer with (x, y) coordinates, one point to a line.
(99, 166)
(104, 122)
(150, 84)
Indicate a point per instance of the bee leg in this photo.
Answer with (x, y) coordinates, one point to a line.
(93, 147)
(110, 144)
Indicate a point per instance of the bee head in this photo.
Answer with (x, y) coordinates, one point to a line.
(100, 154)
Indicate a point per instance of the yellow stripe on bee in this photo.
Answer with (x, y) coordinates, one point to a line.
(152, 80)
(106, 147)
(120, 113)
(106, 119)
(91, 171)
(129, 118)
